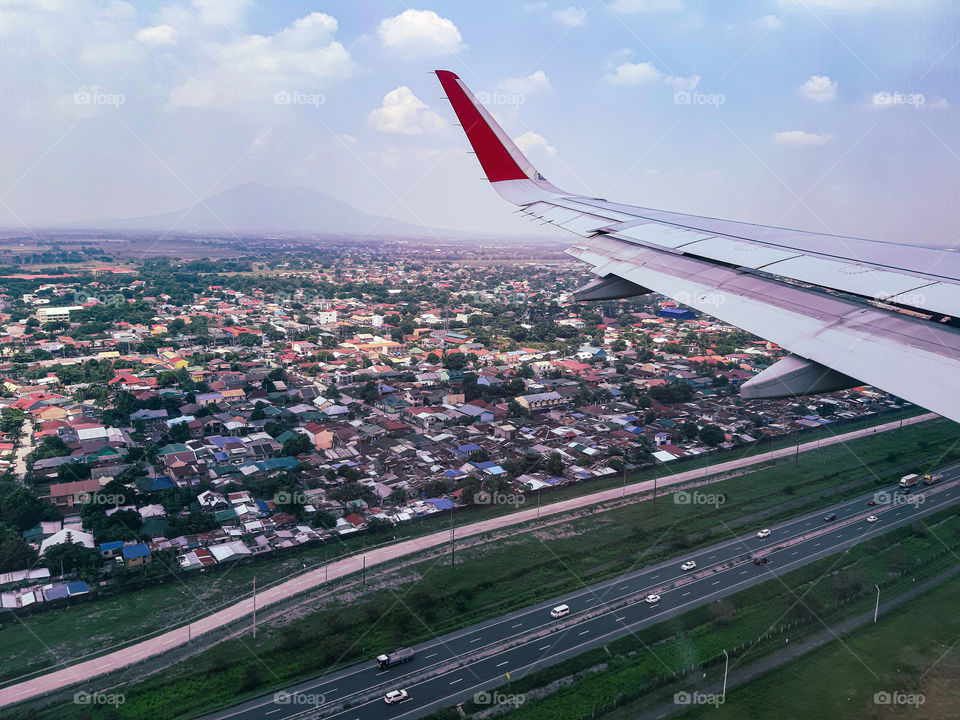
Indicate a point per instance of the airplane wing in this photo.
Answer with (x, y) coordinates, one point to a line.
(850, 311)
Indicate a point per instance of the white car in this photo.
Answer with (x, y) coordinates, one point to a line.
(652, 599)
(872, 518)
(688, 565)
(395, 696)
(764, 533)
(560, 611)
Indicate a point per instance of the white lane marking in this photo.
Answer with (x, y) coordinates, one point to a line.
(685, 594)
(794, 553)
(476, 640)
(583, 633)
(715, 582)
(544, 647)
(271, 712)
(516, 626)
(505, 662)
(654, 577)
(624, 587)
(454, 682)
(427, 657)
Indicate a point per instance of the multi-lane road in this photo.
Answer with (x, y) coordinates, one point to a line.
(452, 668)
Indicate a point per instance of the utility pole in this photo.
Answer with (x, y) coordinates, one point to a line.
(364, 582)
(453, 544)
(624, 492)
(654, 491)
(254, 607)
(538, 503)
(726, 666)
(876, 609)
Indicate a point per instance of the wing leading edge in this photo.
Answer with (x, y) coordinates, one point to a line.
(827, 299)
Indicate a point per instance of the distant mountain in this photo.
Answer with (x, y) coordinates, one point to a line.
(256, 208)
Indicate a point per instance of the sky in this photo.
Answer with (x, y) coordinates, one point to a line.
(836, 116)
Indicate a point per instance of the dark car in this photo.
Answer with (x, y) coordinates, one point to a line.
(761, 560)
(871, 503)
(830, 517)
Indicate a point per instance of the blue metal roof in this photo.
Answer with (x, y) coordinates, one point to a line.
(161, 483)
(440, 503)
(78, 587)
(135, 551)
(57, 592)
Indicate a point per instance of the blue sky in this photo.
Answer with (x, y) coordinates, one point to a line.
(832, 115)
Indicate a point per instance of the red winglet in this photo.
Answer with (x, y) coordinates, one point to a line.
(495, 158)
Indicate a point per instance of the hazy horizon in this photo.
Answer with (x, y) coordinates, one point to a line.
(831, 115)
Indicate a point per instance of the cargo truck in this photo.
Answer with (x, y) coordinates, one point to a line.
(908, 482)
(395, 658)
(932, 479)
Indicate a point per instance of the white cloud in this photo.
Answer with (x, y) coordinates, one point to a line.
(571, 16)
(768, 23)
(420, 33)
(157, 35)
(851, 5)
(633, 74)
(221, 12)
(819, 88)
(681, 83)
(801, 138)
(534, 82)
(531, 140)
(629, 7)
(403, 112)
(254, 68)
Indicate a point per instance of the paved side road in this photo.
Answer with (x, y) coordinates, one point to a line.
(118, 659)
(23, 449)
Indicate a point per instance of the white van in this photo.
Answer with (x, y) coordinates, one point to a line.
(560, 611)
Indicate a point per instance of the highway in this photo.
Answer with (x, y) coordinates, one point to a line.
(454, 667)
(83, 671)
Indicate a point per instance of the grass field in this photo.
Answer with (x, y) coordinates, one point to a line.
(914, 649)
(494, 578)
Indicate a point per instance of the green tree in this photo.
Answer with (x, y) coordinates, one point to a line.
(15, 552)
(71, 555)
(712, 435)
(555, 464)
(11, 419)
(455, 361)
(297, 445)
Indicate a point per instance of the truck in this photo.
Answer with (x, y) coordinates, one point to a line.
(932, 479)
(907, 482)
(397, 657)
